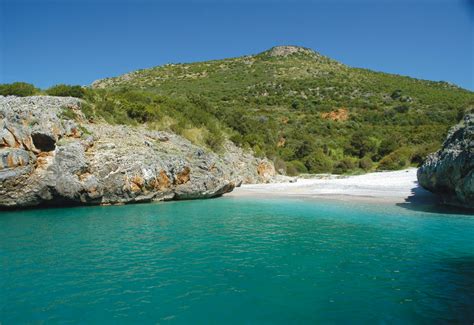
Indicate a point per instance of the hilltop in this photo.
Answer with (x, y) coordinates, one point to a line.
(308, 112)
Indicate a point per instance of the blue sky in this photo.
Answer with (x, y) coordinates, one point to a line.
(77, 42)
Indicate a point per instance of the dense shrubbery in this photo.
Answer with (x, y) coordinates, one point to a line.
(23, 89)
(20, 89)
(332, 118)
(184, 117)
(66, 91)
(345, 165)
(318, 162)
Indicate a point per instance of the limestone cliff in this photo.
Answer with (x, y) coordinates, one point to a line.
(50, 154)
(449, 172)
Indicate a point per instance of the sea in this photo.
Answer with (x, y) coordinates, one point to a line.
(238, 261)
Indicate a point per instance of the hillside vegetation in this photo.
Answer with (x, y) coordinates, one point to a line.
(306, 112)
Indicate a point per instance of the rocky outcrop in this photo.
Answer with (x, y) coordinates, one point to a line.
(450, 171)
(50, 154)
(286, 50)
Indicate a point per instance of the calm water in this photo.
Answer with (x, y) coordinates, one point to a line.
(236, 261)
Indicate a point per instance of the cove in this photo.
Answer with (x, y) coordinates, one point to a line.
(237, 260)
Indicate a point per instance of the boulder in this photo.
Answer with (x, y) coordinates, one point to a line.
(449, 172)
(266, 171)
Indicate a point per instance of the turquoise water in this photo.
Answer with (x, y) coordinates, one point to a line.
(235, 260)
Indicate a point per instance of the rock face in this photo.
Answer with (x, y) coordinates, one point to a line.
(286, 50)
(449, 172)
(50, 154)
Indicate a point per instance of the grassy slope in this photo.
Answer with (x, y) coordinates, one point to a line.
(266, 100)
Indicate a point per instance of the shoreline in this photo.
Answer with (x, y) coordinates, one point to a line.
(379, 187)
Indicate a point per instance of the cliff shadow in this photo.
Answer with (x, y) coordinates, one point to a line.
(424, 201)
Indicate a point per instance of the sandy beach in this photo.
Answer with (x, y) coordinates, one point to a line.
(392, 187)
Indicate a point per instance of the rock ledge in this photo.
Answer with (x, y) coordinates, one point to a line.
(51, 155)
(449, 172)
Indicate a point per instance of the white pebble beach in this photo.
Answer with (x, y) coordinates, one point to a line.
(391, 186)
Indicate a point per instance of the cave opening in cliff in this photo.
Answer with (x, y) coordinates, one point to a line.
(43, 142)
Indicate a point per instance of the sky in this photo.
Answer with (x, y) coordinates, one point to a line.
(77, 42)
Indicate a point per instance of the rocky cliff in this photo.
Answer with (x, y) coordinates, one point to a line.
(450, 171)
(50, 154)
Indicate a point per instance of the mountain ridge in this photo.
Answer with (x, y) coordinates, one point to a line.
(281, 51)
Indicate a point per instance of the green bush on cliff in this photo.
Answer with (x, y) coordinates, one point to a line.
(178, 115)
(420, 153)
(66, 91)
(20, 89)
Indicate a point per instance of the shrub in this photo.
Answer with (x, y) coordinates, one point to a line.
(295, 167)
(215, 140)
(280, 165)
(366, 163)
(195, 135)
(139, 112)
(388, 145)
(236, 138)
(305, 147)
(20, 89)
(295, 104)
(88, 110)
(396, 94)
(67, 113)
(318, 162)
(258, 152)
(420, 153)
(343, 166)
(398, 159)
(66, 91)
(361, 145)
(401, 108)
(109, 110)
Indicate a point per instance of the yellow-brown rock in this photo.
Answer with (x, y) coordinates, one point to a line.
(162, 181)
(136, 183)
(183, 176)
(265, 170)
(281, 142)
(339, 115)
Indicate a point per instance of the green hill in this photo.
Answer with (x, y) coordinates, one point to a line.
(305, 111)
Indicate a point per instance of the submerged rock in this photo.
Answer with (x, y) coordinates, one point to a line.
(449, 172)
(47, 157)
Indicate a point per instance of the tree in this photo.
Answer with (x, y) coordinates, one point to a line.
(362, 145)
(343, 166)
(318, 162)
(305, 147)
